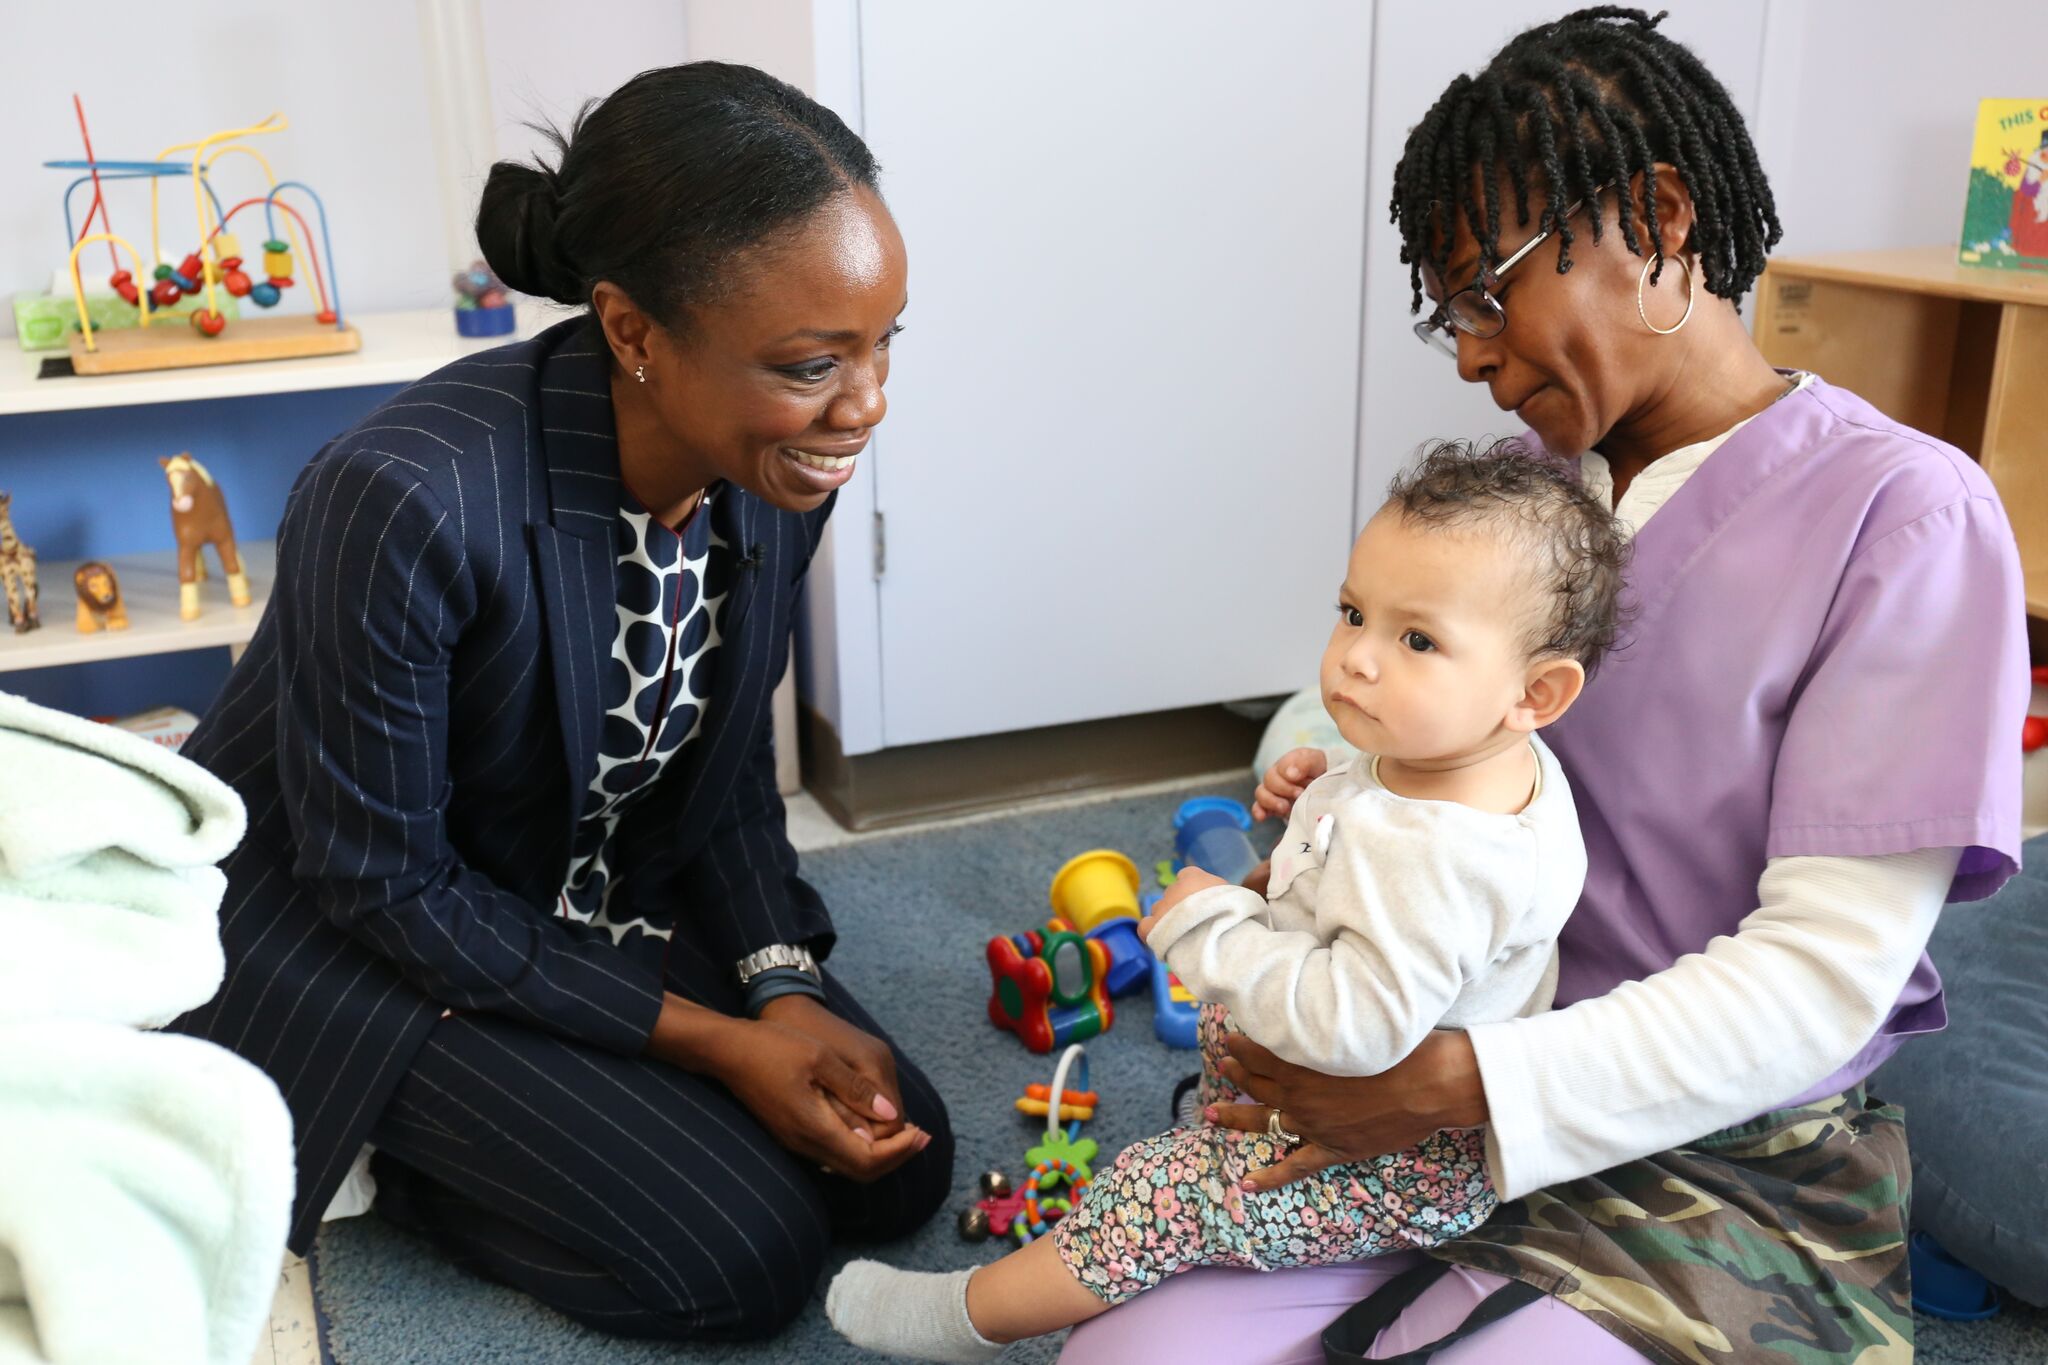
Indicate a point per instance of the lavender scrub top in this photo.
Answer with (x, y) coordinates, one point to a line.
(1827, 657)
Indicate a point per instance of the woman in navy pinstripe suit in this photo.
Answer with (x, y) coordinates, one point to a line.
(516, 907)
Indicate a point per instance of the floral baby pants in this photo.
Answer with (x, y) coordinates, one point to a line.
(1176, 1201)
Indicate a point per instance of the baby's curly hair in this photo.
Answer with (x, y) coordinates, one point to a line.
(1536, 502)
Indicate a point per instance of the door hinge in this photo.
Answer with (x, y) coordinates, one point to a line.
(881, 545)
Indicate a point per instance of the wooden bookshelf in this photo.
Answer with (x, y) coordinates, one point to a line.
(1959, 352)
(149, 587)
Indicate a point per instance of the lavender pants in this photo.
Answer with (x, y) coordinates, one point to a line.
(1251, 1317)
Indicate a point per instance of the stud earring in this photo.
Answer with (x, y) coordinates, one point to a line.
(640, 373)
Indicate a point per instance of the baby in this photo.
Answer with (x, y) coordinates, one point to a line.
(1421, 885)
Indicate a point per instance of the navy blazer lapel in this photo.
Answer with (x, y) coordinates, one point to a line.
(574, 546)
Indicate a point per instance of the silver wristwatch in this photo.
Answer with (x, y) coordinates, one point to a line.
(778, 955)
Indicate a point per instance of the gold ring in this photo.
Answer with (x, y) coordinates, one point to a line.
(1278, 1131)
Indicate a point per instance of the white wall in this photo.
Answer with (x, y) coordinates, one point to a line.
(347, 76)
(1869, 110)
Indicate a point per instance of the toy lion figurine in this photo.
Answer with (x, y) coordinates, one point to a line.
(99, 598)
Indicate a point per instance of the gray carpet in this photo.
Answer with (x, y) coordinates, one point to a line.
(914, 913)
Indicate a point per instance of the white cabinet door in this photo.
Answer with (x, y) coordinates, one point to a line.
(1117, 472)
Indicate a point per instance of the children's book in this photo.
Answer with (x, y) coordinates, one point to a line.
(2005, 220)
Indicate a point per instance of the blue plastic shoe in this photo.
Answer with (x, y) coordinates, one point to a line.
(1944, 1287)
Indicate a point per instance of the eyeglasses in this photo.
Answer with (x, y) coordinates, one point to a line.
(1476, 309)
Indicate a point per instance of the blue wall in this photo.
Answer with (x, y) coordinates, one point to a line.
(87, 485)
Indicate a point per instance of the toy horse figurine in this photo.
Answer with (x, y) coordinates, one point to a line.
(199, 516)
(18, 573)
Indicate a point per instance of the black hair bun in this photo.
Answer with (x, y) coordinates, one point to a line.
(515, 227)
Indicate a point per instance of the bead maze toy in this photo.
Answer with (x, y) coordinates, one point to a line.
(1049, 987)
(213, 270)
(1061, 1158)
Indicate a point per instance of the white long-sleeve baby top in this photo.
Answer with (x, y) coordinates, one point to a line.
(1386, 917)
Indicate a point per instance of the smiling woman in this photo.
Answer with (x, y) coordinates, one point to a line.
(516, 906)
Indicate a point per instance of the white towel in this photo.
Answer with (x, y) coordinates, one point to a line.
(108, 900)
(145, 1193)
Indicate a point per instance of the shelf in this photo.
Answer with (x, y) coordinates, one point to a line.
(397, 349)
(1919, 270)
(149, 586)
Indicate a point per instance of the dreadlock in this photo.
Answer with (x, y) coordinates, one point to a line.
(1566, 108)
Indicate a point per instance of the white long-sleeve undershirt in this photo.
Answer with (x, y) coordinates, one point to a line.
(1759, 1017)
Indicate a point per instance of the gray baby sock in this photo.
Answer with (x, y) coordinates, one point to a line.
(915, 1315)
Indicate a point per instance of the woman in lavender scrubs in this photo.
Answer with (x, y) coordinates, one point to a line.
(1808, 747)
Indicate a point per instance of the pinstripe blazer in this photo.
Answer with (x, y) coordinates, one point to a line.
(416, 722)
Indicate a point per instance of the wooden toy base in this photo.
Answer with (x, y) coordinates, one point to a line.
(172, 344)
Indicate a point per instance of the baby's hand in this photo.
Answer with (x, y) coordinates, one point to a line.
(1191, 880)
(1285, 780)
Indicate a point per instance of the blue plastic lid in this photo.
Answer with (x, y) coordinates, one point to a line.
(1196, 807)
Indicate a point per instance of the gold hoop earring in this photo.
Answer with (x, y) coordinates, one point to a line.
(640, 371)
(1643, 276)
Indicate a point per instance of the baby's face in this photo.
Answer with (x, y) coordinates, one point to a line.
(1426, 658)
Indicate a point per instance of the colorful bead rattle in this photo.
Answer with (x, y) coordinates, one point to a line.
(1061, 1159)
(1077, 1105)
(995, 1212)
(1039, 1215)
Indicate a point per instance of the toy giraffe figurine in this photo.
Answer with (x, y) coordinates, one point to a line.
(18, 573)
(199, 516)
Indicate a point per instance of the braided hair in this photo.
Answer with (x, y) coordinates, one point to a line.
(1570, 107)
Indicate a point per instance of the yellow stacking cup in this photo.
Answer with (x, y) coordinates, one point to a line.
(1094, 888)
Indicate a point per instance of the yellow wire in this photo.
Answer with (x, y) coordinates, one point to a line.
(291, 230)
(276, 123)
(78, 285)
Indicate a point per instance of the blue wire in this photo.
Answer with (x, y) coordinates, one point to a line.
(71, 235)
(144, 167)
(326, 249)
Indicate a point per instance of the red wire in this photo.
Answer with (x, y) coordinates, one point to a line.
(319, 282)
(99, 201)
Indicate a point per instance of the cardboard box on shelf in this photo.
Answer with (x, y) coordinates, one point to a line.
(169, 726)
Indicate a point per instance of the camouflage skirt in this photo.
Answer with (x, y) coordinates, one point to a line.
(1780, 1242)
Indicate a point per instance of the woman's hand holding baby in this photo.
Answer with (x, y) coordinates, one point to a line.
(1285, 780)
(1191, 880)
(1351, 1118)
